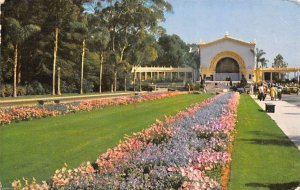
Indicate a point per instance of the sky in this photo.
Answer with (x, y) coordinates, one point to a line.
(273, 24)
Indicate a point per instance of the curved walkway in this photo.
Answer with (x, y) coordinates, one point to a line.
(287, 115)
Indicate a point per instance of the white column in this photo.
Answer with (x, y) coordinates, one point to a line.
(140, 81)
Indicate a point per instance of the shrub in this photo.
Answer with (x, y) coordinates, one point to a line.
(41, 102)
(29, 89)
(57, 101)
(38, 88)
(68, 87)
(7, 90)
(21, 91)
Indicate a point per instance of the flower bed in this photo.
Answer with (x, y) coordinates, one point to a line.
(186, 151)
(21, 113)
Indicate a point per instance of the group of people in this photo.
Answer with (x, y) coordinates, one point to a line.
(275, 92)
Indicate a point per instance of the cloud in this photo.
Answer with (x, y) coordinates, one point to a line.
(295, 1)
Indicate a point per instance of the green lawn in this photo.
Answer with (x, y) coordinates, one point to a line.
(263, 157)
(38, 147)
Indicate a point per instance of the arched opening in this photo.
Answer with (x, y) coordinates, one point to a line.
(227, 68)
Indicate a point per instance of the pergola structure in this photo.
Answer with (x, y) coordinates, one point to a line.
(156, 73)
(260, 72)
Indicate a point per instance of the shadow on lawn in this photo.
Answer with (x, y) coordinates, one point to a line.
(265, 134)
(278, 142)
(263, 138)
(275, 186)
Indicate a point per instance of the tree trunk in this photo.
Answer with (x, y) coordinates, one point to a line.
(112, 87)
(82, 64)
(134, 78)
(15, 70)
(100, 75)
(58, 81)
(19, 70)
(115, 81)
(54, 60)
(125, 86)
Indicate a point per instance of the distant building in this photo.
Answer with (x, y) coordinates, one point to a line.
(227, 58)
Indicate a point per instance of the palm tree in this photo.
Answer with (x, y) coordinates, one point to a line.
(259, 58)
(264, 62)
(18, 34)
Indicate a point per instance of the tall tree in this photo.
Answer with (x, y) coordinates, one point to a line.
(260, 59)
(80, 33)
(174, 52)
(144, 49)
(194, 60)
(264, 62)
(126, 19)
(279, 63)
(18, 10)
(98, 43)
(121, 25)
(17, 35)
(99, 38)
(61, 12)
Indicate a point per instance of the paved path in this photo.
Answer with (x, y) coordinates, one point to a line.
(293, 99)
(287, 115)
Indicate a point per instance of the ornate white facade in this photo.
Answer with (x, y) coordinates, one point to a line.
(227, 57)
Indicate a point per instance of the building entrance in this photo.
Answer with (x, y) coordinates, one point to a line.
(227, 68)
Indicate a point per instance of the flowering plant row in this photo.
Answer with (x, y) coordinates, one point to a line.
(186, 151)
(20, 113)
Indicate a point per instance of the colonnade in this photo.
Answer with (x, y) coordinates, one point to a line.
(260, 73)
(157, 73)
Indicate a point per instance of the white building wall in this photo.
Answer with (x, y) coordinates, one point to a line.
(208, 52)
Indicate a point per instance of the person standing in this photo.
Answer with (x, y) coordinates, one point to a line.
(265, 87)
(276, 92)
(272, 92)
(279, 93)
(260, 92)
(251, 89)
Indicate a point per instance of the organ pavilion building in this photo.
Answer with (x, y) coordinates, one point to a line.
(227, 58)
